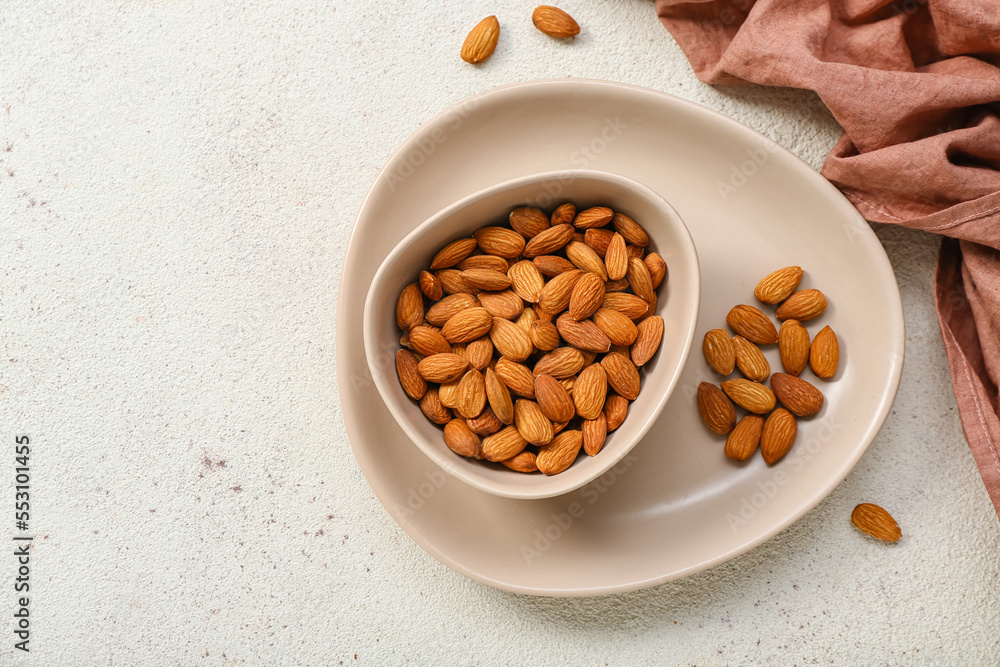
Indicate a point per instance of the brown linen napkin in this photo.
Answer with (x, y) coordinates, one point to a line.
(916, 86)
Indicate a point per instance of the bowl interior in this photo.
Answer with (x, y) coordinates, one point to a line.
(677, 304)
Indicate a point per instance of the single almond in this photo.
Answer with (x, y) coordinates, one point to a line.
(639, 280)
(619, 329)
(801, 398)
(479, 353)
(803, 305)
(554, 22)
(433, 408)
(471, 394)
(630, 305)
(875, 521)
(599, 239)
(779, 433)
(498, 397)
(483, 262)
(481, 41)
(528, 221)
(563, 214)
(635, 251)
(595, 432)
(466, 325)
(428, 341)
(743, 441)
(534, 426)
(584, 335)
(749, 395)
(553, 399)
(631, 230)
(517, 379)
(446, 308)
(504, 444)
(523, 462)
(430, 285)
(622, 374)
(716, 409)
(559, 454)
(793, 346)
(510, 340)
(586, 259)
(461, 440)
(752, 324)
(410, 307)
(548, 241)
(448, 393)
(590, 391)
(544, 336)
(527, 319)
(586, 297)
(442, 367)
(452, 254)
(649, 333)
(719, 350)
(499, 241)
(452, 283)
(556, 294)
(777, 286)
(506, 304)
(526, 280)
(598, 216)
(487, 423)
(657, 268)
(560, 363)
(552, 265)
(409, 377)
(824, 354)
(616, 258)
(751, 360)
(615, 409)
(486, 279)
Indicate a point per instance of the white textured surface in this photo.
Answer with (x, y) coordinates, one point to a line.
(177, 185)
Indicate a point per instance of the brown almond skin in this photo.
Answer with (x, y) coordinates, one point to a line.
(560, 363)
(506, 304)
(433, 409)
(442, 368)
(548, 242)
(564, 214)
(647, 341)
(556, 294)
(552, 265)
(560, 452)
(778, 285)
(622, 374)
(630, 229)
(803, 305)
(616, 258)
(526, 280)
(486, 279)
(793, 346)
(467, 325)
(824, 354)
(751, 396)
(615, 409)
(528, 221)
(598, 216)
(657, 268)
(534, 426)
(483, 262)
(516, 377)
(800, 397)
(598, 239)
(452, 254)
(876, 522)
(586, 297)
(554, 22)
(523, 462)
(639, 280)
(590, 391)
(479, 353)
(410, 307)
(430, 285)
(498, 397)
(778, 435)
(510, 340)
(719, 351)
(716, 409)
(447, 307)
(409, 377)
(595, 433)
(632, 306)
(619, 329)
(544, 336)
(461, 440)
(428, 341)
(751, 360)
(584, 336)
(481, 41)
(486, 423)
(499, 241)
(752, 324)
(504, 444)
(743, 441)
(586, 259)
(553, 399)
(471, 394)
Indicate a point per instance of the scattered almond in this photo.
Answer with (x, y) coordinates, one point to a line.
(875, 521)
(779, 285)
(752, 324)
(481, 41)
(824, 354)
(803, 305)
(743, 441)
(716, 409)
(719, 350)
(778, 435)
(798, 396)
(793, 346)
(751, 396)
(751, 360)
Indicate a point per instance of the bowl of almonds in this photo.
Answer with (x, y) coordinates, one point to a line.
(526, 337)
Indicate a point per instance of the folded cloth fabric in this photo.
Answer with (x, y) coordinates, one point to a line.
(916, 86)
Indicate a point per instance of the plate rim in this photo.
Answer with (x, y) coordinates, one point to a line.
(362, 456)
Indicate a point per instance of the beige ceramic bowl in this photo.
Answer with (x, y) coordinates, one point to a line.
(677, 304)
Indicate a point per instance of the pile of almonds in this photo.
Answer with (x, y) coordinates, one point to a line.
(798, 397)
(525, 342)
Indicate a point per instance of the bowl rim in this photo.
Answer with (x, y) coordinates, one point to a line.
(549, 486)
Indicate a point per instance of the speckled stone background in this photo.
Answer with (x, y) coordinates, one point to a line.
(177, 184)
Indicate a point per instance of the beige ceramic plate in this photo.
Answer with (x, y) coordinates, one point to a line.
(676, 504)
